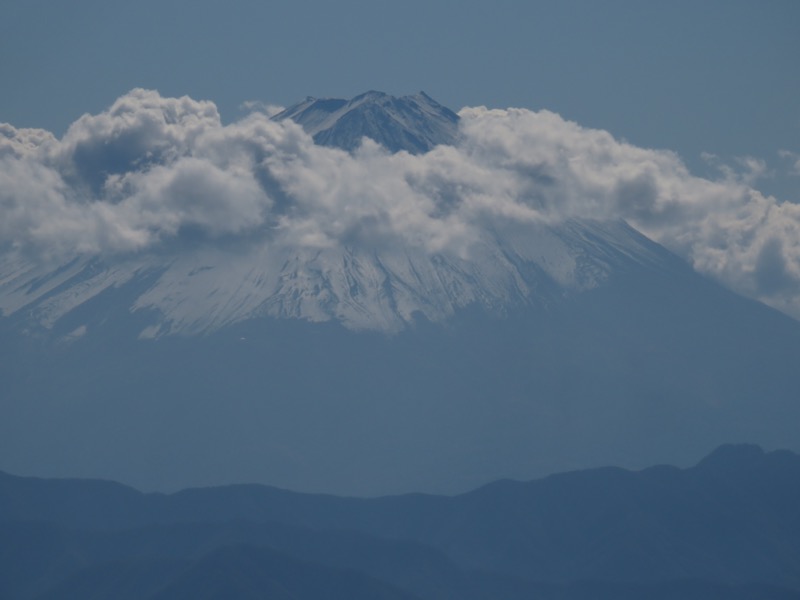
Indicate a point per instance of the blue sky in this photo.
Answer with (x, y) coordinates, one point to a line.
(719, 76)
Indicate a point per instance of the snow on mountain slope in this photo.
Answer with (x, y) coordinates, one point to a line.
(209, 287)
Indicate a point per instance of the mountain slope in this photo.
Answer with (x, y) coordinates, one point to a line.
(651, 367)
(203, 290)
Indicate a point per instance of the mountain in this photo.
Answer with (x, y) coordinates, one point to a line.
(412, 123)
(382, 365)
(728, 527)
(198, 291)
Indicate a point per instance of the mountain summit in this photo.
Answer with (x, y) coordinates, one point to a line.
(414, 123)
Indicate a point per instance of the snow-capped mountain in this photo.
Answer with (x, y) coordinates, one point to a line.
(414, 123)
(363, 355)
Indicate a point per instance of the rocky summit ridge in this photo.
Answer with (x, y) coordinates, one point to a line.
(414, 123)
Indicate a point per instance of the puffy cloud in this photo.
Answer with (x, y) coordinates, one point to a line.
(153, 171)
(724, 227)
(18, 143)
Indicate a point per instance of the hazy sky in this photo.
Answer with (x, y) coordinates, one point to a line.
(720, 76)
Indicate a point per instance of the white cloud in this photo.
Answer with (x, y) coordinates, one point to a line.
(250, 106)
(746, 170)
(153, 170)
(794, 161)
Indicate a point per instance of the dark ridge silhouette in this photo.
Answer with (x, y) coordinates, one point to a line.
(730, 525)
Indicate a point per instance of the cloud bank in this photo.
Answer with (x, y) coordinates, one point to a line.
(151, 172)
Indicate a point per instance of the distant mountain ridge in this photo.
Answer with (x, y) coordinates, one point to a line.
(726, 528)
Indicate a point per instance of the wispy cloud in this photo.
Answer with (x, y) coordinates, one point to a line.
(249, 106)
(152, 170)
(793, 158)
